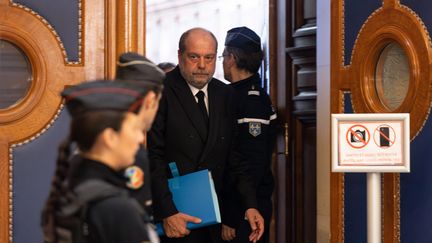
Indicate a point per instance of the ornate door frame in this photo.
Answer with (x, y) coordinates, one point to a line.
(116, 27)
(392, 22)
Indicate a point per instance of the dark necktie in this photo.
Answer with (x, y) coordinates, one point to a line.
(202, 106)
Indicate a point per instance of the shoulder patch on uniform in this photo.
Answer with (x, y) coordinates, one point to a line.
(135, 177)
(254, 128)
(254, 92)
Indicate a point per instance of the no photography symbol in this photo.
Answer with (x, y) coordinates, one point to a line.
(357, 136)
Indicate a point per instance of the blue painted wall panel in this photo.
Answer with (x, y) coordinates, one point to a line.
(355, 208)
(423, 9)
(416, 191)
(355, 198)
(33, 169)
(63, 16)
(356, 13)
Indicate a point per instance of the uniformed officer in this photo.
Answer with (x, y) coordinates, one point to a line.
(107, 130)
(133, 67)
(242, 58)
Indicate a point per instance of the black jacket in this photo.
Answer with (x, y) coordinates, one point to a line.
(114, 219)
(142, 191)
(178, 134)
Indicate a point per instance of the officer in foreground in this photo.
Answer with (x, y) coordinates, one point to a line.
(106, 128)
(242, 58)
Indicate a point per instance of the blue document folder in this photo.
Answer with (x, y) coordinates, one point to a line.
(194, 194)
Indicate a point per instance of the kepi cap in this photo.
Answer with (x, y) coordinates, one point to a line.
(103, 95)
(243, 38)
(132, 66)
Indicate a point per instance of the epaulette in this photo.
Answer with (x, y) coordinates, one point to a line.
(253, 91)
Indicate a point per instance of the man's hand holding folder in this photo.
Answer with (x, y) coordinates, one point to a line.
(195, 197)
(175, 225)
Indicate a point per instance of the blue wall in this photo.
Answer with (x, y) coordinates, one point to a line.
(356, 13)
(355, 217)
(416, 191)
(33, 169)
(63, 17)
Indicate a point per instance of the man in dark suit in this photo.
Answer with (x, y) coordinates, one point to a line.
(194, 127)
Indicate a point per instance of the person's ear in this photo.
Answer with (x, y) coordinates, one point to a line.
(179, 53)
(150, 100)
(230, 60)
(109, 137)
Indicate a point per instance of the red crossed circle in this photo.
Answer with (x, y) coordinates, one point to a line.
(361, 142)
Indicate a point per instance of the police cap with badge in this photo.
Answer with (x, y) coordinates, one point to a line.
(243, 38)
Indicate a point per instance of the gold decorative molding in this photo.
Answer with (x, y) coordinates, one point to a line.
(391, 207)
(342, 33)
(35, 136)
(54, 32)
(397, 195)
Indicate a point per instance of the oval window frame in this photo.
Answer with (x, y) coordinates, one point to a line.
(38, 68)
(385, 26)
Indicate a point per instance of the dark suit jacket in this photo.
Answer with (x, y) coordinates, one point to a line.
(178, 134)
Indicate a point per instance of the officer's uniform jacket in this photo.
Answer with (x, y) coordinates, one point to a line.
(256, 121)
(114, 219)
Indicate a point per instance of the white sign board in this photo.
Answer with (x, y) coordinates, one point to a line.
(370, 142)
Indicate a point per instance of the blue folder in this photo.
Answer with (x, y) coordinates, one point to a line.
(194, 194)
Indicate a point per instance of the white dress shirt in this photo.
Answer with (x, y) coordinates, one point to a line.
(195, 91)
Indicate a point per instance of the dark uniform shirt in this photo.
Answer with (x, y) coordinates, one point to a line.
(136, 178)
(256, 124)
(257, 130)
(115, 219)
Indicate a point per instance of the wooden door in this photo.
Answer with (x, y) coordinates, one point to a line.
(380, 63)
(294, 62)
(65, 43)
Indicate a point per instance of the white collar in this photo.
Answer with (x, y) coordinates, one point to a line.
(196, 90)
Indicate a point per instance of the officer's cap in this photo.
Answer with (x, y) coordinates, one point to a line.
(135, 67)
(103, 95)
(243, 38)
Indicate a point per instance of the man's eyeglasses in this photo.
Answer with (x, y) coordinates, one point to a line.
(220, 58)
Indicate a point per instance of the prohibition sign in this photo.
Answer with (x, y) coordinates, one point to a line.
(384, 136)
(357, 136)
